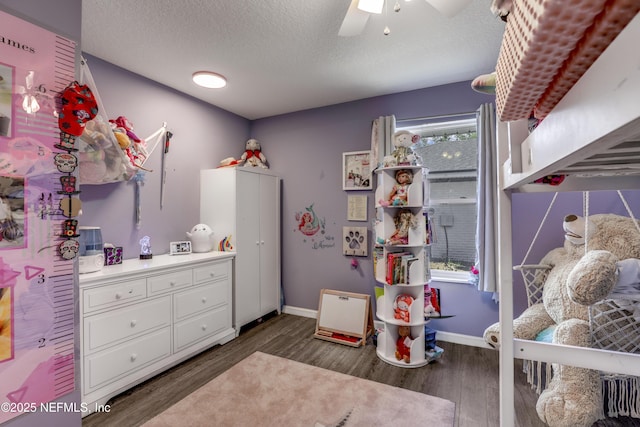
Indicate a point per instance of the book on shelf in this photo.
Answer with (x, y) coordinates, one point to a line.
(394, 267)
(408, 261)
(378, 255)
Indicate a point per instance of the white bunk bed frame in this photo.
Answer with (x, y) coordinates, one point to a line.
(593, 134)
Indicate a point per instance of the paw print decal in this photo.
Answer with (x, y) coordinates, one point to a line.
(354, 241)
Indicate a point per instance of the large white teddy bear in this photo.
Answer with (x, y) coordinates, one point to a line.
(575, 280)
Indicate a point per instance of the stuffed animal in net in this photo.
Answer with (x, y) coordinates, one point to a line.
(252, 156)
(403, 344)
(575, 280)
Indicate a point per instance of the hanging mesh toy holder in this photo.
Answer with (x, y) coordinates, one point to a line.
(101, 158)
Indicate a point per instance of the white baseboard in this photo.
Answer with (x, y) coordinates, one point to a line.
(302, 312)
(441, 336)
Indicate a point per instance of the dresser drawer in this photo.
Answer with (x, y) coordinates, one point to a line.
(107, 328)
(110, 364)
(197, 328)
(213, 271)
(169, 281)
(113, 295)
(200, 299)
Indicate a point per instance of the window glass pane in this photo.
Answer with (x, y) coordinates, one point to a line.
(453, 228)
(449, 150)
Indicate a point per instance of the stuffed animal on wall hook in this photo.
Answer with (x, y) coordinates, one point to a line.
(252, 156)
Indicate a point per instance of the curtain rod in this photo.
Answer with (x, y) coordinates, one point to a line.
(445, 116)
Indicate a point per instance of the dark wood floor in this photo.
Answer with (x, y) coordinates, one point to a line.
(465, 375)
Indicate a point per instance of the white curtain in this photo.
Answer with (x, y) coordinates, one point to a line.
(382, 132)
(486, 231)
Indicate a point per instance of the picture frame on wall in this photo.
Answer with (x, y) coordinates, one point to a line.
(354, 241)
(356, 170)
(357, 208)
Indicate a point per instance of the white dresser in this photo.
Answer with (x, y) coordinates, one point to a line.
(141, 317)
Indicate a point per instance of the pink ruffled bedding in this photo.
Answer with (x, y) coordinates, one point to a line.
(548, 45)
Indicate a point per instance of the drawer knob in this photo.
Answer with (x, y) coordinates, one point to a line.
(134, 357)
(204, 300)
(134, 323)
(118, 295)
(204, 327)
(172, 283)
(212, 274)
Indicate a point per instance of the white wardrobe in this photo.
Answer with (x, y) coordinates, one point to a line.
(244, 205)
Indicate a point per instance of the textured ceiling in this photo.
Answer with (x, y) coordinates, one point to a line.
(281, 56)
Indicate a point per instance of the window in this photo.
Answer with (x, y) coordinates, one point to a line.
(449, 152)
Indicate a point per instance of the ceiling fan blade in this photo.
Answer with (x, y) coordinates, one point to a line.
(354, 21)
(449, 8)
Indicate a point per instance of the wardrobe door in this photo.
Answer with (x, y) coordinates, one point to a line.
(247, 286)
(269, 243)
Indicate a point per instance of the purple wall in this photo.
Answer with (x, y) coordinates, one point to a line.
(306, 148)
(202, 136)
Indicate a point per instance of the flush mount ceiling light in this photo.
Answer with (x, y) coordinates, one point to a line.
(209, 80)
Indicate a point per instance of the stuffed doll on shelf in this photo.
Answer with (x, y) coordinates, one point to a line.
(403, 221)
(402, 142)
(402, 307)
(399, 192)
(403, 344)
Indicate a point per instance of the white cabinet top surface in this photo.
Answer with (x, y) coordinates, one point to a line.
(147, 266)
